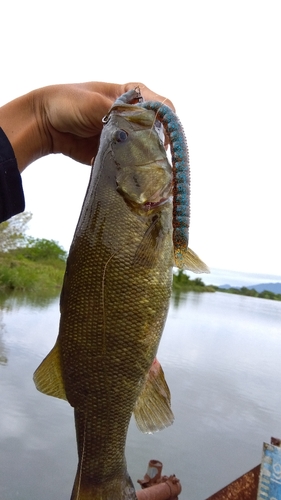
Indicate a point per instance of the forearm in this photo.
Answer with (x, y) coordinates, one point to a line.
(19, 120)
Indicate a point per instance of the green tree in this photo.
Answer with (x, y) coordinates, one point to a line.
(41, 249)
(12, 232)
(198, 282)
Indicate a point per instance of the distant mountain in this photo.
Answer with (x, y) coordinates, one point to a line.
(271, 287)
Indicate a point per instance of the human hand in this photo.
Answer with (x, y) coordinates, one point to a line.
(71, 115)
(63, 119)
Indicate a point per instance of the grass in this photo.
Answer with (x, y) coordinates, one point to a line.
(21, 273)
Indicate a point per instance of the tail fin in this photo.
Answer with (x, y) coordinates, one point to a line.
(120, 488)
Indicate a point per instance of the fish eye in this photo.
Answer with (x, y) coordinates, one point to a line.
(120, 136)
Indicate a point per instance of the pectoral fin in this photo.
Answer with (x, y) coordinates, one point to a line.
(153, 407)
(151, 245)
(48, 376)
(187, 259)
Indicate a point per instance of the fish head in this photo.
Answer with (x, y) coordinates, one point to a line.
(143, 171)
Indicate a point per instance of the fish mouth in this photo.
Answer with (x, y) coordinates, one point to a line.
(150, 205)
(158, 198)
(147, 206)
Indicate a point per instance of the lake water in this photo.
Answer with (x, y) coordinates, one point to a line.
(221, 355)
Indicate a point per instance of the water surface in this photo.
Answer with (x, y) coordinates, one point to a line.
(221, 356)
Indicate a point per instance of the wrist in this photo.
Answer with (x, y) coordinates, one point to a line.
(22, 123)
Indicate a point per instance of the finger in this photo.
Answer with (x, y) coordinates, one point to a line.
(148, 94)
(112, 91)
(109, 90)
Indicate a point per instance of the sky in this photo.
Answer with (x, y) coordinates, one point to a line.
(218, 61)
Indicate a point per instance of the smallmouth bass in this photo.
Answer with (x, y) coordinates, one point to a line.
(115, 299)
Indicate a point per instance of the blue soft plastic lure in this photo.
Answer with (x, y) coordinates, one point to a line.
(181, 172)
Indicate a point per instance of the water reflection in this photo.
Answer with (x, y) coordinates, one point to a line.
(221, 357)
(13, 300)
(180, 298)
(3, 350)
(37, 437)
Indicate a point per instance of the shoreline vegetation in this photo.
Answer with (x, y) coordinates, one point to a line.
(183, 283)
(29, 264)
(40, 267)
(35, 265)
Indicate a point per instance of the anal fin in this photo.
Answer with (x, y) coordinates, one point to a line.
(153, 408)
